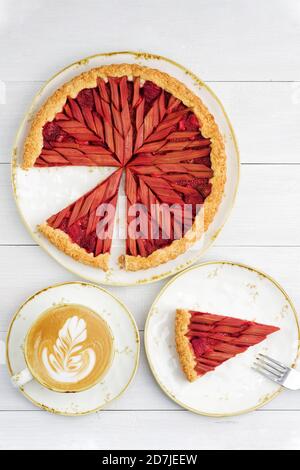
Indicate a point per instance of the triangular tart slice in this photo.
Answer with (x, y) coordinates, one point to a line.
(84, 229)
(204, 340)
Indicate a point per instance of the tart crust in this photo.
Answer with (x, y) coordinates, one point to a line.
(183, 346)
(64, 243)
(209, 129)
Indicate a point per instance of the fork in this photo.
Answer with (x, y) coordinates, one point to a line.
(278, 372)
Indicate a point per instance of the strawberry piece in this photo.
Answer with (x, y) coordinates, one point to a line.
(193, 199)
(130, 91)
(151, 91)
(52, 131)
(162, 242)
(206, 190)
(189, 123)
(76, 233)
(85, 98)
(64, 224)
(204, 160)
(89, 243)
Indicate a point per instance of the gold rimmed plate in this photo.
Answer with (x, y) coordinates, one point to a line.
(39, 193)
(126, 347)
(235, 290)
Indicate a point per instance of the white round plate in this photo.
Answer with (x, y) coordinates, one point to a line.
(126, 345)
(228, 289)
(41, 192)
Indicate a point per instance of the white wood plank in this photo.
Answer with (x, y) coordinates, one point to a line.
(265, 117)
(266, 210)
(35, 270)
(149, 430)
(220, 40)
(12, 231)
(25, 270)
(15, 103)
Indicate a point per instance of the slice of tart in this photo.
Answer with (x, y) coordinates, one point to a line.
(158, 132)
(84, 229)
(172, 197)
(205, 340)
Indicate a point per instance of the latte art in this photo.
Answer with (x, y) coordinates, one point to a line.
(69, 362)
(69, 348)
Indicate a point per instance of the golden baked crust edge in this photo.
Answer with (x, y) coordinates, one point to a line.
(163, 255)
(184, 350)
(64, 243)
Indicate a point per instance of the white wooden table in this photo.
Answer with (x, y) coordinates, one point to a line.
(249, 54)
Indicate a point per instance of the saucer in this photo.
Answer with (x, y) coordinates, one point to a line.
(228, 289)
(126, 346)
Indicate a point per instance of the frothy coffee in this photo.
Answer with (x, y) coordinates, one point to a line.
(69, 348)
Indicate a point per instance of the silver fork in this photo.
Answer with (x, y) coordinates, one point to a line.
(278, 372)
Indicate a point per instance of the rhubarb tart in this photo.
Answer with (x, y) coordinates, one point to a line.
(149, 127)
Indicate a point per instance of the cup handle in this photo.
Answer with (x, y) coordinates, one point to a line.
(20, 379)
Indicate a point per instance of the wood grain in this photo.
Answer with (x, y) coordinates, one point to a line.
(155, 430)
(220, 40)
(36, 270)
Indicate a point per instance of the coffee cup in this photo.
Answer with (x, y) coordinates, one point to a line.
(68, 349)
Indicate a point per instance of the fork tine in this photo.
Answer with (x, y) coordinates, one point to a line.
(265, 362)
(265, 374)
(266, 368)
(270, 359)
